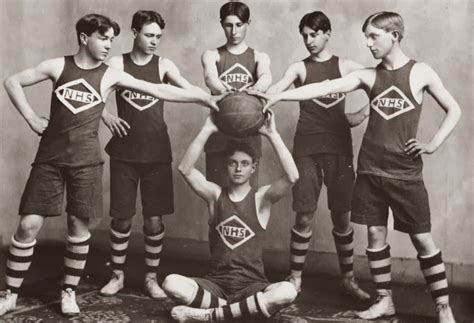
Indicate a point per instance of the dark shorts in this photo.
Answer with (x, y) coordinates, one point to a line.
(337, 173)
(44, 191)
(216, 170)
(408, 200)
(156, 188)
(220, 290)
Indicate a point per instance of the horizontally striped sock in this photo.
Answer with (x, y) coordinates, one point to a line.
(379, 264)
(77, 250)
(252, 306)
(204, 299)
(18, 261)
(299, 246)
(345, 251)
(435, 275)
(153, 247)
(118, 244)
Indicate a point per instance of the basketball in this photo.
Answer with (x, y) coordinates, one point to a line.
(240, 115)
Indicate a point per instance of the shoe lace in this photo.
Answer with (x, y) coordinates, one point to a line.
(379, 298)
(441, 307)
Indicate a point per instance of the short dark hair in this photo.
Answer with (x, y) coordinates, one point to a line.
(94, 22)
(386, 20)
(315, 20)
(235, 8)
(242, 146)
(144, 17)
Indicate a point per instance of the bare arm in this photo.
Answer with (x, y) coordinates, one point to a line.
(435, 87)
(356, 118)
(173, 74)
(211, 75)
(264, 74)
(290, 76)
(207, 190)
(47, 70)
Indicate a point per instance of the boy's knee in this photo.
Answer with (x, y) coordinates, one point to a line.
(171, 283)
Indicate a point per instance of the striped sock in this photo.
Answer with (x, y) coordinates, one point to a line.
(435, 275)
(379, 263)
(299, 246)
(75, 260)
(252, 306)
(205, 299)
(18, 261)
(345, 251)
(153, 247)
(118, 244)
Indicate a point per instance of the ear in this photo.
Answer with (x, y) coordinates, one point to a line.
(134, 33)
(248, 22)
(328, 34)
(396, 35)
(83, 37)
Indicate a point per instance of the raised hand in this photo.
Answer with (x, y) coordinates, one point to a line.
(269, 126)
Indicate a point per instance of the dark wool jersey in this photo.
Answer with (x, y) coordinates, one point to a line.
(235, 72)
(71, 138)
(147, 140)
(236, 241)
(322, 126)
(394, 117)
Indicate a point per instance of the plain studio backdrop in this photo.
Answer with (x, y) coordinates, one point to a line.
(436, 32)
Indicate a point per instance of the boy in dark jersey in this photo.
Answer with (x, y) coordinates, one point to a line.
(322, 151)
(233, 67)
(390, 164)
(69, 152)
(236, 285)
(140, 151)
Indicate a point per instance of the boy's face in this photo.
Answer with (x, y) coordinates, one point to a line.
(98, 45)
(235, 30)
(240, 167)
(148, 38)
(315, 41)
(379, 41)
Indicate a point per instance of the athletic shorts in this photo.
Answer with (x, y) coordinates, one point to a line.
(220, 290)
(44, 191)
(337, 173)
(408, 200)
(156, 188)
(216, 170)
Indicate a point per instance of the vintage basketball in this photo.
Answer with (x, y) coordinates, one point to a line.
(239, 115)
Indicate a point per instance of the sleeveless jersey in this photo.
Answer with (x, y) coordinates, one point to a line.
(147, 140)
(235, 72)
(236, 240)
(71, 138)
(322, 126)
(394, 117)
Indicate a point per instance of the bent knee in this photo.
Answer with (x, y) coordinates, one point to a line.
(171, 283)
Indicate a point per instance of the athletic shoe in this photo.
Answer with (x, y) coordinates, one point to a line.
(351, 288)
(445, 315)
(8, 302)
(184, 313)
(153, 289)
(383, 306)
(114, 285)
(68, 302)
(296, 281)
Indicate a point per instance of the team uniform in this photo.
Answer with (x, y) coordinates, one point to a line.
(69, 157)
(236, 241)
(389, 178)
(235, 72)
(323, 154)
(142, 157)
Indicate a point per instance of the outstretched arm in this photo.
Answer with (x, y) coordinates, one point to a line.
(207, 190)
(173, 75)
(356, 118)
(50, 69)
(264, 74)
(290, 76)
(435, 87)
(211, 75)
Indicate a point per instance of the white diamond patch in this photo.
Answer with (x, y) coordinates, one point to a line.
(138, 100)
(234, 232)
(237, 77)
(76, 99)
(391, 103)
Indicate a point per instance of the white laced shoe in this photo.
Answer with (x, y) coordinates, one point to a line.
(153, 289)
(184, 313)
(445, 314)
(8, 302)
(296, 281)
(68, 302)
(350, 287)
(383, 306)
(114, 285)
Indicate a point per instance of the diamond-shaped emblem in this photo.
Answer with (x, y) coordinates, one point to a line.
(234, 232)
(330, 100)
(237, 77)
(138, 100)
(391, 103)
(78, 95)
